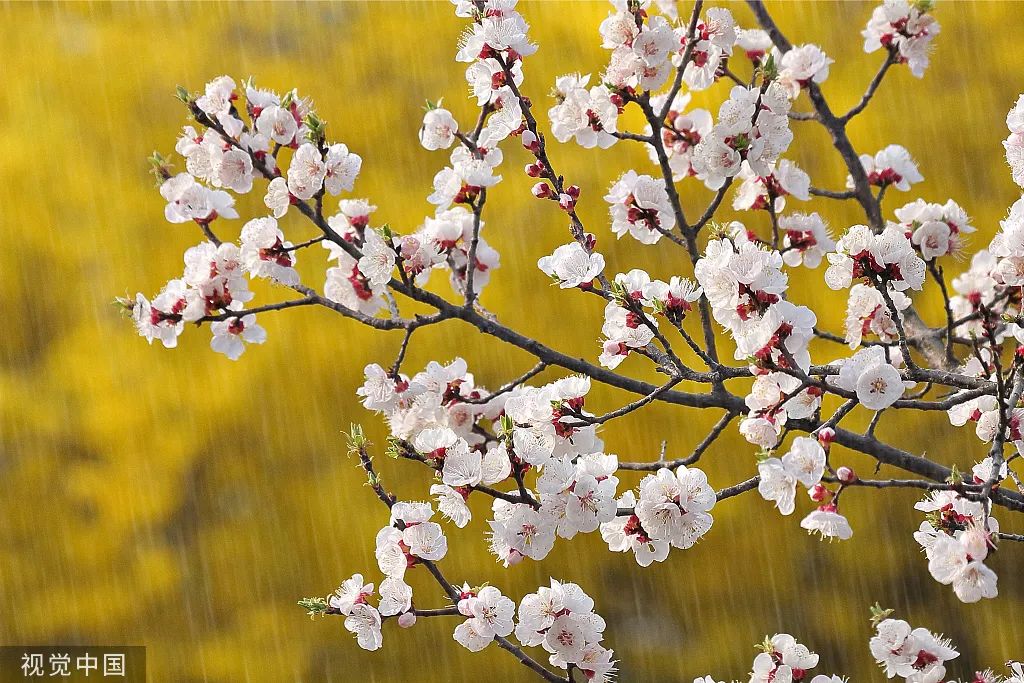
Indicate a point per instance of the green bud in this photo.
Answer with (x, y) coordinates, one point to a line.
(182, 94)
(125, 305)
(314, 606)
(355, 438)
(160, 167)
(878, 615)
(769, 69)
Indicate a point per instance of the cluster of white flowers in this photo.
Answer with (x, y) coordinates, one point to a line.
(958, 535)
(915, 654)
(409, 537)
(188, 200)
(753, 126)
(213, 280)
(630, 318)
(906, 27)
(976, 287)
(873, 375)
(801, 65)
(892, 166)
(713, 43)
(672, 511)
(361, 618)
(494, 46)
(226, 157)
(774, 398)
(683, 131)
(640, 207)
(1014, 144)
(783, 660)
(936, 229)
(536, 450)
(589, 115)
(640, 49)
(1008, 248)
(561, 619)
(770, 191)
(745, 285)
(804, 463)
(887, 258)
(489, 614)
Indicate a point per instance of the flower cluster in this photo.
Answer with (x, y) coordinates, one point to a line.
(489, 614)
(915, 654)
(361, 618)
(640, 207)
(536, 451)
(744, 282)
(873, 375)
(409, 538)
(957, 536)
(753, 126)
(713, 43)
(774, 398)
(672, 509)
(587, 114)
(770, 191)
(804, 464)
(905, 28)
(1014, 144)
(783, 659)
(802, 65)
(891, 166)
(683, 130)
(885, 260)
(936, 229)
(630, 318)
(561, 619)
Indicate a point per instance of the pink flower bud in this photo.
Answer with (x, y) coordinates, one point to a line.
(542, 191)
(819, 493)
(407, 619)
(533, 170)
(846, 475)
(573, 191)
(566, 202)
(826, 436)
(530, 141)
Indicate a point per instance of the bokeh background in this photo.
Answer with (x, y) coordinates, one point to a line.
(181, 501)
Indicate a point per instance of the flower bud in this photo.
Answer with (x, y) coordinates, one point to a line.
(530, 141)
(818, 493)
(534, 170)
(407, 619)
(542, 191)
(566, 202)
(573, 191)
(846, 475)
(826, 436)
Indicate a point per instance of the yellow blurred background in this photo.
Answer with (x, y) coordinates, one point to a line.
(181, 501)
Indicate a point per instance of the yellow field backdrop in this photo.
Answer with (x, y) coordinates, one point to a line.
(179, 500)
